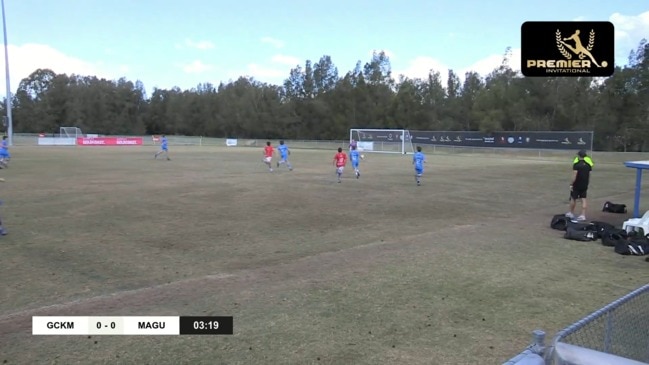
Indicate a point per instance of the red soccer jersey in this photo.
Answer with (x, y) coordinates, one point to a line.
(268, 151)
(340, 159)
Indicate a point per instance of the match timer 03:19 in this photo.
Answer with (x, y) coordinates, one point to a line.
(206, 325)
(133, 325)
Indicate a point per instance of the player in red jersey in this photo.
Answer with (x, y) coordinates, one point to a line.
(269, 151)
(340, 160)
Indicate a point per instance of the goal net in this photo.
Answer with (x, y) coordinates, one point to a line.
(382, 140)
(70, 132)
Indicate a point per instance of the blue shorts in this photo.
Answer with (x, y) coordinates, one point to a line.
(283, 158)
(4, 153)
(419, 170)
(355, 164)
(164, 148)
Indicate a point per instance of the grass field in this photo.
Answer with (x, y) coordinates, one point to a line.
(372, 271)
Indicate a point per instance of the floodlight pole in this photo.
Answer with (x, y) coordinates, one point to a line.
(8, 97)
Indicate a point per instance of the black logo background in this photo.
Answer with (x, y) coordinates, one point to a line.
(538, 42)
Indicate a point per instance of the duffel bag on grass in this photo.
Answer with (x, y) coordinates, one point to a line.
(612, 236)
(581, 226)
(601, 227)
(579, 235)
(635, 248)
(559, 222)
(614, 208)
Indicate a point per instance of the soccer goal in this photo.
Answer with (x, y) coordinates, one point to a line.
(382, 140)
(70, 132)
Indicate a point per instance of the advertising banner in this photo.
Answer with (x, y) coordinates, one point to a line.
(110, 141)
(231, 142)
(533, 140)
(56, 141)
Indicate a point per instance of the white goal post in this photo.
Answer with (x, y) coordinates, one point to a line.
(70, 132)
(382, 140)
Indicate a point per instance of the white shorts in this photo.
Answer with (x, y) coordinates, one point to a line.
(267, 159)
(340, 170)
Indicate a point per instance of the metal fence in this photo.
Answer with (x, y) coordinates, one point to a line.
(23, 139)
(618, 333)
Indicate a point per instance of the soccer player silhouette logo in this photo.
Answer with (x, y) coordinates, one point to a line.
(579, 48)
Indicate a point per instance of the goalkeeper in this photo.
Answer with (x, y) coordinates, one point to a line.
(353, 145)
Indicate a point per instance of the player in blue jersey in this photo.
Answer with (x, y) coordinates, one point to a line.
(4, 152)
(163, 148)
(355, 158)
(418, 159)
(284, 152)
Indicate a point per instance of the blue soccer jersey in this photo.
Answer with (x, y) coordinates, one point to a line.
(418, 160)
(283, 151)
(354, 157)
(4, 149)
(163, 144)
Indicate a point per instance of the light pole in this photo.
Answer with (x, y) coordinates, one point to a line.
(8, 98)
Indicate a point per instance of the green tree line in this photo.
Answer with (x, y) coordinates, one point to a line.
(316, 101)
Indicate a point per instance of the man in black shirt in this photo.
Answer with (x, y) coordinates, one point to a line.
(579, 187)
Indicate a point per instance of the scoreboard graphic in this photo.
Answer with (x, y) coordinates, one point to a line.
(132, 325)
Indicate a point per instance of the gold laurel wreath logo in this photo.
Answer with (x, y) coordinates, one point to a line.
(563, 51)
(591, 43)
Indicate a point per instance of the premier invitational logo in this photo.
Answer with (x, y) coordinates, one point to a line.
(586, 59)
(567, 49)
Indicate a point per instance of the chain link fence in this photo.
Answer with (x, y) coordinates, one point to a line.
(620, 328)
(618, 333)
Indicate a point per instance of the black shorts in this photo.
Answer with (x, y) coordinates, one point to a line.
(578, 194)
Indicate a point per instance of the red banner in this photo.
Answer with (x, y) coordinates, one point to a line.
(110, 141)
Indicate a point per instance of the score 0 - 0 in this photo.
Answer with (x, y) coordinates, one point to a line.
(106, 325)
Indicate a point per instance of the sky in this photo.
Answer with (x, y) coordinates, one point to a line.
(183, 43)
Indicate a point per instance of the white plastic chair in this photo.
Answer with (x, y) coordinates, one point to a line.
(633, 224)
